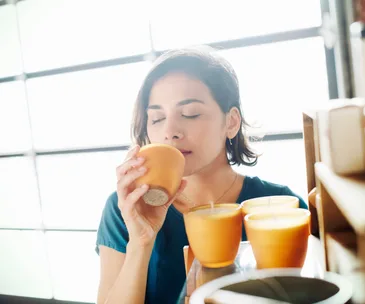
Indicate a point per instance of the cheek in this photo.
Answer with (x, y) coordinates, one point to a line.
(154, 134)
(209, 143)
(210, 138)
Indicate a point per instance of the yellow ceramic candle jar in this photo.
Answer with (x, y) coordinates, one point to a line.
(279, 238)
(165, 168)
(214, 233)
(275, 202)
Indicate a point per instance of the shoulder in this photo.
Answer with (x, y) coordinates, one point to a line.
(112, 201)
(111, 210)
(112, 231)
(256, 187)
(256, 184)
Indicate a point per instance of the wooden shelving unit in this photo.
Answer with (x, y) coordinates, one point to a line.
(348, 193)
(343, 258)
(340, 209)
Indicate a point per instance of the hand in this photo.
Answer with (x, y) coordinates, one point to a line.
(142, 220)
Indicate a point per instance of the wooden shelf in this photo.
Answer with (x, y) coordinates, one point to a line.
(340, 206)
(343, 259)
(348, 193)
(310, 113)
(342, 255)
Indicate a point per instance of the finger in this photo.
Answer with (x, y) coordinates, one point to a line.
(136, 194)
(132, 152)
(128, 179)
(181, 189)
(128, 165)
(182, 186)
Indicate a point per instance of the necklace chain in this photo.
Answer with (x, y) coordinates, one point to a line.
(215, 201)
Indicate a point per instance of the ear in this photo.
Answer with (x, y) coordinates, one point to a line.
(233, 122)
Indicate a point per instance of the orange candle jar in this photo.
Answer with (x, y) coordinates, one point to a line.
(165, 168)
(214, 233)
(266, 203)
(279, 239)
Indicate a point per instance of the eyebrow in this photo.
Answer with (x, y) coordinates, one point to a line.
(179, 104)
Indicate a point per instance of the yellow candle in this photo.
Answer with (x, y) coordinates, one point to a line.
(266, 203)
(279, 238)
(165, 168)
(214, 234)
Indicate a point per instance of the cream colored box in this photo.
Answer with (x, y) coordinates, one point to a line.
(341, 131)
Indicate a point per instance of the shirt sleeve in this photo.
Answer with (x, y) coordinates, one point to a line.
(112, 231)
(287, 191)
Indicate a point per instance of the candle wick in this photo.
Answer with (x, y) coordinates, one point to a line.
(271, 209)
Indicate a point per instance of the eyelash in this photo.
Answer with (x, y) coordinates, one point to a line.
(191, 116)
(157, 120)
(185, 116)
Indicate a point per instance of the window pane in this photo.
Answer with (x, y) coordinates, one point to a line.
(10, 60)
(84, 109)
(14, 123)
(278, 80)
(75, 187)
(194, 22)
(282, 162)
(24, 265)
(57, 33)
(19, 204)
(74, 265)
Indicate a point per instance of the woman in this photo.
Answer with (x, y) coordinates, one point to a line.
(190, 99)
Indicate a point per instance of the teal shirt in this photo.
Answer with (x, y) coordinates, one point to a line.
(166, 271)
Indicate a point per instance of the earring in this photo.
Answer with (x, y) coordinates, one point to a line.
(230, 141)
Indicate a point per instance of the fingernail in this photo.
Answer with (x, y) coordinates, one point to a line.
(144, 186)
(140, 158)
(141, 169)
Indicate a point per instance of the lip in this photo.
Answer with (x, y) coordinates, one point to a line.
(185, 152)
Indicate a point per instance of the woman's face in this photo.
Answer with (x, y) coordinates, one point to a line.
(183, 113)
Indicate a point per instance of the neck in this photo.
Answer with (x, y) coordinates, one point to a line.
(210, 183)
(210, 179)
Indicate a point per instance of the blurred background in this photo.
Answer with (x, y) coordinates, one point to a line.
(69, 74)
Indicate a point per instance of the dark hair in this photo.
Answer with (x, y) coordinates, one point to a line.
(218, 75)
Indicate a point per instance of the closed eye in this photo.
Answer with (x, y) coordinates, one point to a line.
(185, 116)
(157, 120)
(191, 116)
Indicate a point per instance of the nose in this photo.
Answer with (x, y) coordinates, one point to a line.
(172, 130)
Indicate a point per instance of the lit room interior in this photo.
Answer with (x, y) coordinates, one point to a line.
(70, 73)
